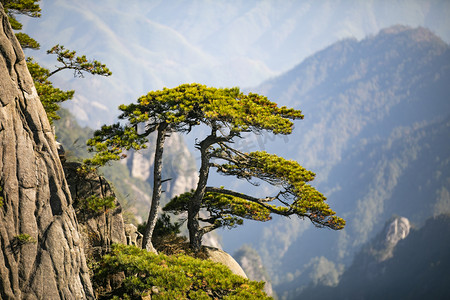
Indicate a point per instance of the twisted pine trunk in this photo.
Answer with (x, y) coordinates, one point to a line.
(41, 255)
(195, 232)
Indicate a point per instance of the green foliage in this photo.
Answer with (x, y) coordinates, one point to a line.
(50, 96)
(73, 137)
(185, 106)
(228, 112)
(23, 238)
(189, 104)
(25, 7)
(224, 210)
(78, 64)
(109, 143)
(26, 41)
(296, 196)
(20, 240)
(165, 237)
(165, 227)
(97, 204)
(171, 277)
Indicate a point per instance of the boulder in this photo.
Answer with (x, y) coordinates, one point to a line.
(220, 256)
(41, 254)
(134, 237)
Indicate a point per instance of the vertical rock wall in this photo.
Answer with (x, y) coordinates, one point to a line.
(98, 230)
(41, 255)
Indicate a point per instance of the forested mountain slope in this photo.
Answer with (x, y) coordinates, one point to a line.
(418, 268)
(376, 133)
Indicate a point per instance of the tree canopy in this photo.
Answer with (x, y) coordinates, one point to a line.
(228, 113)
(170, 277)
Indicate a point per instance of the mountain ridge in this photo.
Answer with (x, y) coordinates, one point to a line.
(237, 43)
(374, 132)
(416, 270)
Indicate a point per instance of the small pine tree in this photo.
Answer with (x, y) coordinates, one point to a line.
(50, 96)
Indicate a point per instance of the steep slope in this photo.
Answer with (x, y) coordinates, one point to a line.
(40, 248)
(376, 133)
(418, 268)
(351, 88)
(406, 175)
(251, 263)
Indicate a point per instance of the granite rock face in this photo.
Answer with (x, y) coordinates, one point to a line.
(41, 255)
(100, 229)
(250, 261)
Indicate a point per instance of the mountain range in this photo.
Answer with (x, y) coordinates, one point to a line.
(376, 131)
(152, 44)
(416, 269)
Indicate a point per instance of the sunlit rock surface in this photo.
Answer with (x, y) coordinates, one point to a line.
(41, 255)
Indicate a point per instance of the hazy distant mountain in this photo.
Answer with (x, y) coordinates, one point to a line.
(251, 263)
(418, 269)
(376, 131)
(152, 44)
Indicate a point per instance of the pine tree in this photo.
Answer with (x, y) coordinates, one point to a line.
(50, 96)
(29, 8)
(228, 113)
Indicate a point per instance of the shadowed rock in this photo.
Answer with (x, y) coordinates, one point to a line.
(98, 229)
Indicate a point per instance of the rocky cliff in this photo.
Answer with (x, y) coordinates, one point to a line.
(41, 255)
(103, 227)
(251, 263)
(179, 167)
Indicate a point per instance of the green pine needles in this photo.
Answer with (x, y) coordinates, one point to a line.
(96, 204)
(23, 238)
(22, 7)
(50, 96)
(228, 113)
(170, 277)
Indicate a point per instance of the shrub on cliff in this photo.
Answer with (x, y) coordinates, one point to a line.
(170, 277)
